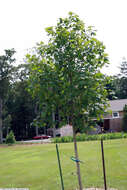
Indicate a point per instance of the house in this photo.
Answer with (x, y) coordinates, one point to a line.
(60, 132)
(113, 122)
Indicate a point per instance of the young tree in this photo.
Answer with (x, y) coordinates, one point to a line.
(66, 75)
(5, 76)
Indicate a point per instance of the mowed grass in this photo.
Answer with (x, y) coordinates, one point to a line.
(36, 167)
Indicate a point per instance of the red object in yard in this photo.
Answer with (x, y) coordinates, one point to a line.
(41, 137)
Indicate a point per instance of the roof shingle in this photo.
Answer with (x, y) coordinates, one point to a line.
(117, 105)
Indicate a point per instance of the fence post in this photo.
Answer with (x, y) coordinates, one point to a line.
(103, 162)
(60, 170)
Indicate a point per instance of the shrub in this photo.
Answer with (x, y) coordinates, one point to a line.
(124, 135)
(85, 137)
(81, 137)
(10, 139)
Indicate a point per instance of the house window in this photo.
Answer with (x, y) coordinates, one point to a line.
(115, 114)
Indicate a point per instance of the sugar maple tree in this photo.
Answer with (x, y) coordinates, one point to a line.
(66, 74)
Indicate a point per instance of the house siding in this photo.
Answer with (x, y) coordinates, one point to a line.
(113, 124)
(65, 131)
(116, 124)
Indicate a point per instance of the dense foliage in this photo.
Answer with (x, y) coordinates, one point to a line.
(6, 71)
(21, 108)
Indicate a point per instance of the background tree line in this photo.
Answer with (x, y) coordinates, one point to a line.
(17, 107)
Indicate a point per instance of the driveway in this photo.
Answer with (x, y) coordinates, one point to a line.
(38, 141)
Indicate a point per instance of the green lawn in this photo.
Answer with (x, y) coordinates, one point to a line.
(35, 166)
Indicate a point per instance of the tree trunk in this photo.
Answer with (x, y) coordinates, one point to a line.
(7, 130)
(54, 128)
(36, 128)
(77, 163)
(1, 131)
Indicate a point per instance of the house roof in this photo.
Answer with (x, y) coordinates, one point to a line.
(117, 105)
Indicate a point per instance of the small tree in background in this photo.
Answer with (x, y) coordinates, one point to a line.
(10, 139)
(123, 68)
(124, 122)
(66, 75)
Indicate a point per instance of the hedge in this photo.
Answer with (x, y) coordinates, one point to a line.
(85, 137)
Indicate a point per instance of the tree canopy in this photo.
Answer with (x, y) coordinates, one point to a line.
(66, 72)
